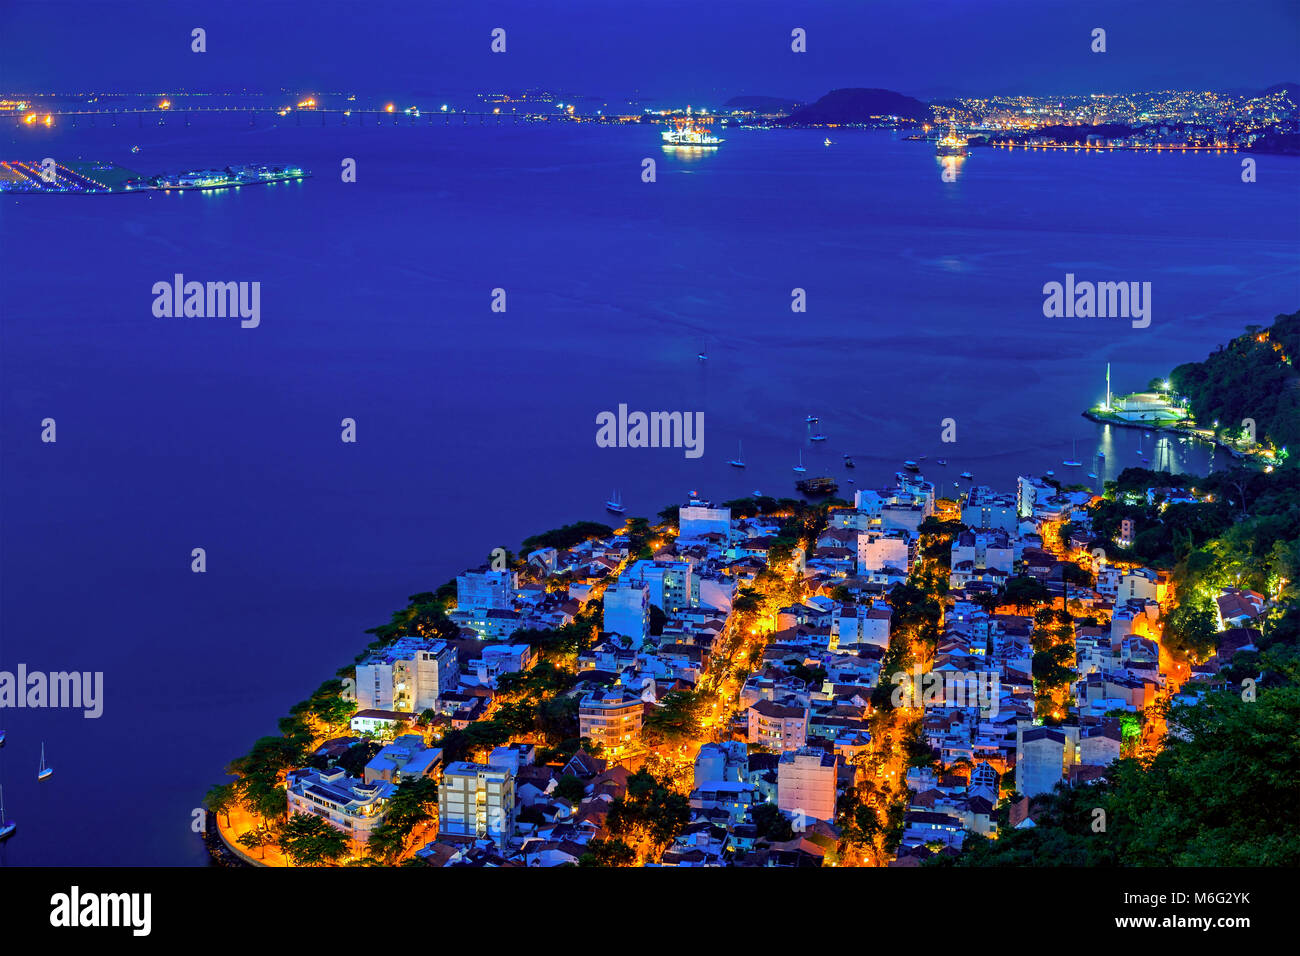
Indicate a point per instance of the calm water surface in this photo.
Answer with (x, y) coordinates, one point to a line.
(477, 428)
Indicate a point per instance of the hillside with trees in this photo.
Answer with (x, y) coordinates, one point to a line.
(1254, 377)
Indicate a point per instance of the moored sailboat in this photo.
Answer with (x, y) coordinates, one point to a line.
(7, 827)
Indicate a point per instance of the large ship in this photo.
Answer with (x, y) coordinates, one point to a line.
(951, 144)
(690, 132)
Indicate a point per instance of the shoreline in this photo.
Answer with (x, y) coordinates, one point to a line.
(219, 849)
(1168, 429)
(147, 189)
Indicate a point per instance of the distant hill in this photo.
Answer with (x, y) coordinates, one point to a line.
(761, 104)
(857, 105)
(1291, 88)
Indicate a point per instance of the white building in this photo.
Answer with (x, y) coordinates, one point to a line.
(627, 612)
(856, 624)
(673, 584)
(698, 518)
(346, 803)
(500, 659)
(406, 758)
(1040, 760)
(725, 762)
(978, 550)
(1031, 492)
(883, 549)
(483, 590)
(406, 676)
(612, 719)
(805, 784)
(985, 509)
(478, 801)
(1139, 584)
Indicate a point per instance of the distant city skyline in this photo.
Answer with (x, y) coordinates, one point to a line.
(672, 50)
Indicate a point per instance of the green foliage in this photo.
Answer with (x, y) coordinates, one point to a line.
(896, 659)
(676, 719)
(220, 798)
(259, 773)
(1025, 592)
(309, 841)
(425, 615)
(1224, 796)
(571, 788)
(1051, 667)
(256, 840)
(414, 804)
(1249, 378)
(556, 719)
(607, 852)
(479, 735)
(859, 823)
(814, 676)
(353, 760)
(915, 610)
(650, 810)
(771, 823)
(566, 537)
(566, 641)
(1191, 626)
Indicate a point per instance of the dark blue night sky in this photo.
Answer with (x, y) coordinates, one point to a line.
(684, 49)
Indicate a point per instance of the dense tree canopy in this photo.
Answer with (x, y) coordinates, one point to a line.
(1250, 377)
(1222, 795)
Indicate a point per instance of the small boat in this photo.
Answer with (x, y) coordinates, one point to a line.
(920, 458)
(1071, 462)
(811, 420)
(45, 771)
(851, 481)
(135, 149)
(2, 738)
(827, 142)
(818, 437)
(7, 827)
(739, 460)
(911, 465)
(1101, 454)
(848, 462)
(757, 493)
(941, 461)
(799, 467)
(615, 504)
(1050, 473)
(1092, 474)
(702, 357)
(966, 474)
